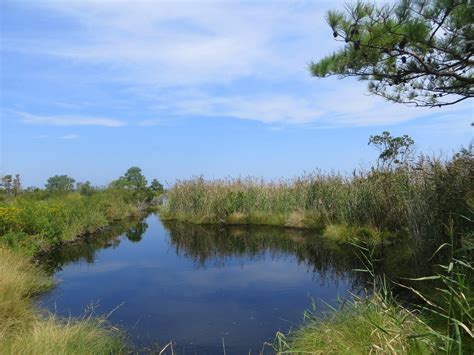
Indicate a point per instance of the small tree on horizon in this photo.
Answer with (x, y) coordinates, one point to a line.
(156, 186)
(132, 179)
(85, 188)
(60, 183)
(394, 151)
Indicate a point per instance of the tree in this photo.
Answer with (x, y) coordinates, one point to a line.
(132, 179)
(16, 184)
(394, 151)
(85, 188)
(156, 186)
(7, 183)
(60, 183)
(417, 52)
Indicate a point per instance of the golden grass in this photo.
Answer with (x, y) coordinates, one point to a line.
(23, 330)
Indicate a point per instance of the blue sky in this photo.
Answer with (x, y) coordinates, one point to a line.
(90, 88)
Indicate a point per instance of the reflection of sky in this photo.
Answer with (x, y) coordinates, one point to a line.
(166, 297)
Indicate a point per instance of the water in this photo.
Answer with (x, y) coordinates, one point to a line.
(200, 286)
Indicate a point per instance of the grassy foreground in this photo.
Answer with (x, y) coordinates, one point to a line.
(361, 327)
(415, 199)
(33, 222)
(440, 322)
(24, 330)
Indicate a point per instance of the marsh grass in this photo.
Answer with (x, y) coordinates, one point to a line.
(413, 200)
(34, 222)
(24, 330)
(450, 307)
(441, 322)
(371, 325)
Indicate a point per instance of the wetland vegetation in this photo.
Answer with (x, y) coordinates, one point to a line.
(230, 260)
(35, 222)
(414, 199)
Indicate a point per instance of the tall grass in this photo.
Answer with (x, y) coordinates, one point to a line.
(363, 326)
(23, 330)
(441, 322)
(450, 306)
(34, 222)
(415, 199)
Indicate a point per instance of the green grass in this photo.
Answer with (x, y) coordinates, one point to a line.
(415, 200)
(441, 321)
(363, 326)
(24, 330)
(35, 222)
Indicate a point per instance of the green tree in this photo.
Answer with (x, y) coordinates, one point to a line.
(156, 186)
(133, 179)
(85, 188)
(394, 151)
(417, 52)
(60, 183)
(16, 184)
(7, 183)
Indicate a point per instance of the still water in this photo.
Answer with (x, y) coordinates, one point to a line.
(200, 286)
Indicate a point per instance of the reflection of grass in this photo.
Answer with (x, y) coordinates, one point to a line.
(24, 331)
(210, 243)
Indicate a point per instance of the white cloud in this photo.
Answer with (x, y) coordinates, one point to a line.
(245, 60)
(69, 136)
(331, 107)
(181, 43)
(66, 120)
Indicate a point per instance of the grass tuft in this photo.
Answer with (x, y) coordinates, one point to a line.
(23, 330)
(364, 326)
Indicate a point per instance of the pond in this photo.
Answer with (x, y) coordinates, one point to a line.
(201, 286)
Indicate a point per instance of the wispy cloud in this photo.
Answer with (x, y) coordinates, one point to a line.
(334, 107)
(69, 136)
(173, 43)
(66, 120)
(243, 60)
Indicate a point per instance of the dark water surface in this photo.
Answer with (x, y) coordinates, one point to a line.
(199, 286)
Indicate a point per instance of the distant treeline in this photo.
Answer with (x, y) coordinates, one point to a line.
(34, 220)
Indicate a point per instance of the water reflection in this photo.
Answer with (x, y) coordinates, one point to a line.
(86, 249)
(134, 234)
(215, 245)
(198, 284)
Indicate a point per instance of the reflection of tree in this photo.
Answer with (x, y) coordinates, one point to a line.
(218, 244)
(214, 244)
(135, 233)
(207, 244)
(86, 248)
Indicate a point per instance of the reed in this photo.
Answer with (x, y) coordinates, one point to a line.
(412, 200)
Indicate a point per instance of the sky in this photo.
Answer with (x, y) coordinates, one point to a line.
(181, 89)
